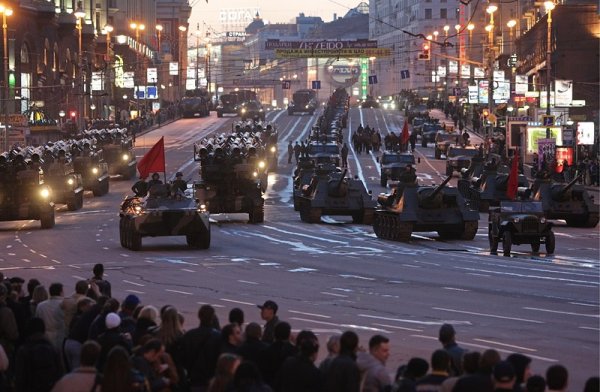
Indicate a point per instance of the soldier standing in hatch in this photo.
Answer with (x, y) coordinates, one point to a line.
(140, 188)
(179, 184)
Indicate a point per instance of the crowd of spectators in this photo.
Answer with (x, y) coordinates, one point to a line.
(89, 341)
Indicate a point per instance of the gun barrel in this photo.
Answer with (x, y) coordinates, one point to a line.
(570, 184)
(439, 188)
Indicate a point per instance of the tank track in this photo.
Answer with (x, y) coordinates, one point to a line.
(389, 227)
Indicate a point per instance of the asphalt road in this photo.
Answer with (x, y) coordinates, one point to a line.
(336, 275)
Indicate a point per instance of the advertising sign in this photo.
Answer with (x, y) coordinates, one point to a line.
(97, 81)
(128, 79)
(173, 68)
(585, 133)
(473, 94)
(272, 44)
(521, 84)
(190, 84)
(465, 71)
(441, 71)
(567, 135)
(151, 92)
(191, 73)
(498, 75)
(563, 154)
(478, 73)
(483, 91)
(563, 92)
(151, 75)
(546, 150)
(534, 134)
(501, 91)
(328, 53)
(452, 67)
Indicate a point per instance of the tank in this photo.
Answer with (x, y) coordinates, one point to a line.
(233, 174)
(304, 173)
(23, 193)
(412, 208)
(61, 177)
(89, 162)
(162, 214)
(568, 201)
(334, 194)
(117, 150)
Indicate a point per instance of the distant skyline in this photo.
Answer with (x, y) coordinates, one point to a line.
(225, 15)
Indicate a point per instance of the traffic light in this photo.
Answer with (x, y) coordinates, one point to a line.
(72, 114)
(425, 53)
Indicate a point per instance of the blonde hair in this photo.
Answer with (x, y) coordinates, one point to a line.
(149, 312)
(170, 328)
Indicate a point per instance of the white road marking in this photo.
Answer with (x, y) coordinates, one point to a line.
(505, 344)
(527, 276)
(213, 305)
(26, 260)
(133, 283)
(302, 269)
(74, 266)
(32, 250)
(334, 294)
(187, 270)
(42, 255)
(474, 274)
(78, 277)
(454, 288)
(55, 261)
(454, 322)
(309, 314)
(269, 264)
(357, 277)
(397, 327)
(237, 302)
(591, 328)
(582, 304)
(560, 312)
(295, 233)
(489, 315)
(178, 292)
(579, 285)
(135, 291)
(353, 326)
(247, 281)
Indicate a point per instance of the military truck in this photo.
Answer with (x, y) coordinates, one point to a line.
(303, 101)
(163, 214)
(519, 222)
(393, 164)
(23, 193)
(459, 157)
(413, 208)
(61, 177)
(194, 105)
(334, 194)
(232, 175)
(228, 104)
(117, 150)
(89, 162)
(324, 152)
(568, 201)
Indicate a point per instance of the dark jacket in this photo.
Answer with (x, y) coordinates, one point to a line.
(269, 330)
(299, 374)
(343, 374)
(108, 340)
(273, 357)
(155, 381)
(200, 351)
(38, 365)
(250, 350)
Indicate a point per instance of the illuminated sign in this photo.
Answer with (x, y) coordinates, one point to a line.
(441, 71)
(585, 133)
(128, 79)
(237, 15)
(465, 71)
(330, 53)
(97, 81)
(521, 84)
(151, 75)
(563, 92)
(173, 68)
(452, 67)
(536, 133)
(271, 44)
(473, 94)
(478, 73)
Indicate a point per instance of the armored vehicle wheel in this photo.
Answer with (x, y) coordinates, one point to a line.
(76, 203)
(122, 232)
(449, 170)
(47, 220)
(377, 225)
(438, 154)
(470, 230)
(135, 238)
(448, 234)
(493, 242)
(383, 181)
(507, 243)
(257, 214)
(200, 240)
(368, 217)
(423, 142)
(535, 245)
(403, 231)
(550, 243)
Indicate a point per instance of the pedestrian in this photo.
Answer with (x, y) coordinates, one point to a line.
(51, 313)
(85, 377)
(504, 377)
(236, 315)
(297, 151)
(557, 378)
(9, 332)
(407, 375)
(521, 364)
(227, 364)
(273, 356)
(290, 150)
(69, 304)
(252, 347)
(231, 339)
(372, 365)
(299, 373)
(147, 361)
(440, 363)
(343, 374)
(98, 279)
(268, 312)
(344, 152)
(447, 336)
(594, 173)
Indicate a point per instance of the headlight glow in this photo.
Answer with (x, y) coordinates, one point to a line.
(243, 110)
(138, 209)
(45, 193)
(273, 149)
(70, 181)
(95, 170)
(543, 220)
(255, 174)
(516, 220)
(261, 165)
(125, 157)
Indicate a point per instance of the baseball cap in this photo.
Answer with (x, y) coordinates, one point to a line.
(504, 371)
(131, 300)
(269, 305)
(112, 320)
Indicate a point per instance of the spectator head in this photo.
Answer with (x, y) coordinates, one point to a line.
(206, 315)
(81, 287)
(333, 344)
(236, 315)
(3, 291)
(98, 270)
(227, 364)
(34, 326)
(31, 285)
(470, 361)
(253, 331)
(592, 384)
(17, 284)
(282, 331)
(149, 312)
(56, 289)
(246, 375)
(521, 364)
(447, 334)
(379, 347)
(504, 375)
(440, 361)
(348, 342)
(308, 344)
(536, 384)
(489, 359)
(268, 310)
(130, 303)
(90, 352)
(232, 334)
(152, 350)
(557, 377)
(84, 304)
(112, 321)
(111, 305)
(40, 294)
(415, 369)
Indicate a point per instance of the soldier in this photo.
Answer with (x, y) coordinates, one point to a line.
(409, 175)
(297, 151)
(179, 184)
(140, 188)
(155, 180)
(290, 149)
(345, 155)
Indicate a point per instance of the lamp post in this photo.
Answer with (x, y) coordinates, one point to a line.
(491, 8)
(197, 33)
(208, 47)
(549, 6)
(470, 28)
(137, 27)
(108, 29)
(182, 50)
(5, 12)
(92, 107)
(159, 78)
(80, 14)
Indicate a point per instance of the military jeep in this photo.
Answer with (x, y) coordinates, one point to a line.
(519, 222)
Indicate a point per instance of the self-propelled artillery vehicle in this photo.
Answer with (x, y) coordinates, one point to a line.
(117, 150)
(60, 175)
(89, 162)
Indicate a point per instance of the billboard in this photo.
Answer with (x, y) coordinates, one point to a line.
(563, 92)
(585, 133)
(173, 68)
(329, 53)
(535, 133)
(521, 84)
(272, 44)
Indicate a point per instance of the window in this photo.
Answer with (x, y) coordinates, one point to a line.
(443, 13)
(427, 13)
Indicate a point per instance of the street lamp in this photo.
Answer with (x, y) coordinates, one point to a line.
(511, 24)
(93, 107)
(446, 29)
(491, 8)
(159, 29)
(549, 6)
(5, 11)
(80, 14)
(108, 29)
(182, 50)
(137, 27)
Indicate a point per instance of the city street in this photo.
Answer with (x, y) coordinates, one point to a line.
(335, 275)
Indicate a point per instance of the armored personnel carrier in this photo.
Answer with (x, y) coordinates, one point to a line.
(117, 150)
(413, 208)
(334, 194)
(89, 162)
(519, 222)
(60, 175)
(23, 193)
(393, 164)
(568, 201)
(232, 175)
(163, 214)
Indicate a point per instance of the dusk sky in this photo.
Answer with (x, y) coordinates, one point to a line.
(223, 15)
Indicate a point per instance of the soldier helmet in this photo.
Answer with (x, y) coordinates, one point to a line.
(179, 174)
(155, 175)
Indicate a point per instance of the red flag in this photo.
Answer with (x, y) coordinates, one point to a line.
(513, 177)
(404, 136)
(153, 160)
